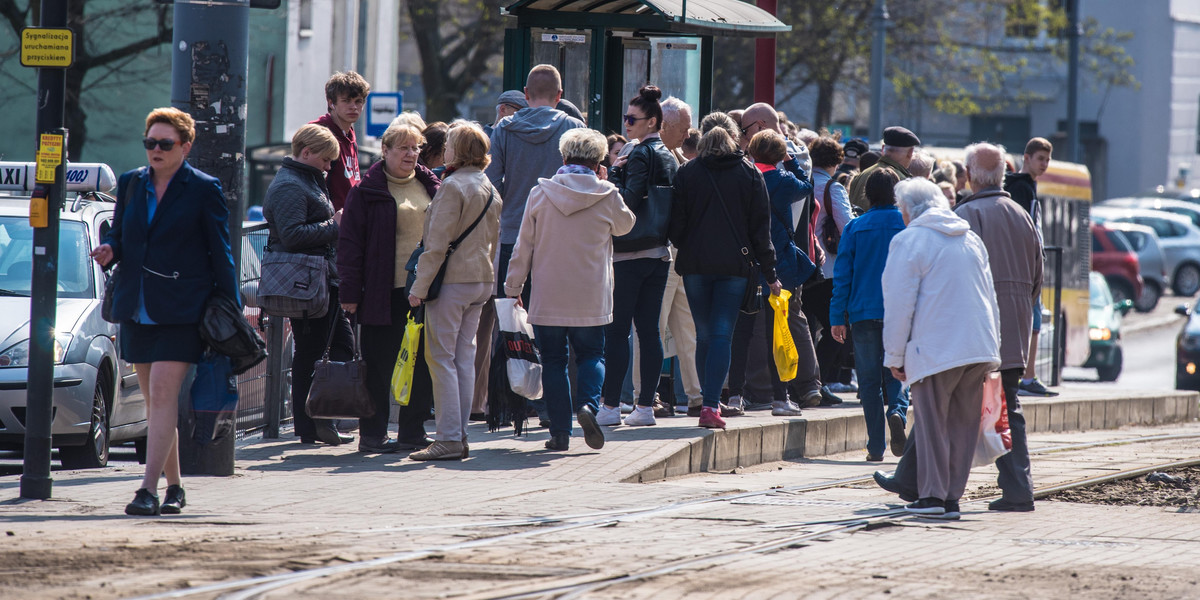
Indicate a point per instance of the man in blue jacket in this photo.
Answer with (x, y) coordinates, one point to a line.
(858, 300)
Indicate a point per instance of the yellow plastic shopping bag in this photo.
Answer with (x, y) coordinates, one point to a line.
(787, 358)
(406, 361)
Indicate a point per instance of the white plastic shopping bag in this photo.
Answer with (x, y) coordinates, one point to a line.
(523, 360)
(994, 437)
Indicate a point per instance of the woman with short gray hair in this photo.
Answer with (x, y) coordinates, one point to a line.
(935, 263)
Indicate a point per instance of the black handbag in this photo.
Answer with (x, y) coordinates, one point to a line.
(653, 217)
(224, 328)
(339, 389)
(435, 286)
(110, 288)
(831, 236)
(752, 300)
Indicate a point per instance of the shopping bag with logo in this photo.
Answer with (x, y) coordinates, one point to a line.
(787, 358)
(406, 361)
(524, 362)
(995, 439)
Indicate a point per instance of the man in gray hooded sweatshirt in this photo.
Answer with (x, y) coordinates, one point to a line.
(524, 148)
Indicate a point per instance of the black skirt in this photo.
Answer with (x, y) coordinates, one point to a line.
(152, 343)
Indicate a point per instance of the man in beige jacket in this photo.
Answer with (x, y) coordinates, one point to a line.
(566, 240)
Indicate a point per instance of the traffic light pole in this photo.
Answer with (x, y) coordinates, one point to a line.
(36, 482)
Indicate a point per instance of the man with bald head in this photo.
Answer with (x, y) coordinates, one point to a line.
(899, 144)
(1015, 258)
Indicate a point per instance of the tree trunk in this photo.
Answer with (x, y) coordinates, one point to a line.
(825, 91)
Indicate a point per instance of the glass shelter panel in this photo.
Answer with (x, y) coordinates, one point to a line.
(569, 51)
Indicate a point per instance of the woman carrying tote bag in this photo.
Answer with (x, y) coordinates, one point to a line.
(301, 221)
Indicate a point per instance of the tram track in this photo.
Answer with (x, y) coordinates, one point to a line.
(573, 586)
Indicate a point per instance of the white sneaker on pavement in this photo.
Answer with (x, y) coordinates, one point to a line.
(736, 402)
(785, 409)
(641, 415)
(626, 408)
(608, 416)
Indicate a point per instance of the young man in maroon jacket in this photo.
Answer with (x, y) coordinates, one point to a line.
(345, 94)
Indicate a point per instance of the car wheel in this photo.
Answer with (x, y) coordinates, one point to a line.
(1121, 289)
(1187, 280)
(94, 453)
(1151, 292)
(1113, 370)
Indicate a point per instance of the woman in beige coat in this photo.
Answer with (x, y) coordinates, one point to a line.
(465, 198)
(566, 240)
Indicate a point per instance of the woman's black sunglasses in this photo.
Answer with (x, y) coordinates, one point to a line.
(165, 144)
(631, 119)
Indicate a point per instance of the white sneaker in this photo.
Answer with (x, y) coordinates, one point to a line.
(736, 402)
(626, 408)
(785, 409)
(608, 416)
(641, 415)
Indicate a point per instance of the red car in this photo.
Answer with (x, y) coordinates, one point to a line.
(1114, 258)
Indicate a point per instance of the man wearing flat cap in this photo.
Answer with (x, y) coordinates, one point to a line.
(898, 146)
(507, 104)
(853, 149)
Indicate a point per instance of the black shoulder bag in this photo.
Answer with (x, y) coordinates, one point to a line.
(752, 300)
(435, 286)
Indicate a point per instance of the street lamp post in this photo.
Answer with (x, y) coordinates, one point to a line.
(878, 48)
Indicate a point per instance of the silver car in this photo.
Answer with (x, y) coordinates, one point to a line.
(1150, 257)
(1191, 210)
(97, 400)
(1179, 238)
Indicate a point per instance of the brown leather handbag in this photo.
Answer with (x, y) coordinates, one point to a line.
(339, 389)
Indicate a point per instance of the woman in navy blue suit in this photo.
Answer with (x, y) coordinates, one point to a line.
(171, 235)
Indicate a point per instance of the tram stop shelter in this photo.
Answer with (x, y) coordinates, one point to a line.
(607, 49)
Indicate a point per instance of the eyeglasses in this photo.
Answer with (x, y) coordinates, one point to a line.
(409, 149)
(630, 120)
(166, 143)
(746, 129)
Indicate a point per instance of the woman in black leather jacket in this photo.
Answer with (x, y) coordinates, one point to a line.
(640, 260)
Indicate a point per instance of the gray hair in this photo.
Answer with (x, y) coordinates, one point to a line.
(806, 136)
(916, 195)
(672, 107)
(583, 146)
(985, 163)
(921, 165)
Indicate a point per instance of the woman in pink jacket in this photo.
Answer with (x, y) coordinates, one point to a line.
(566, 240)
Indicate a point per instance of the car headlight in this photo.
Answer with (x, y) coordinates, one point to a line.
(17, 355)
(1099, 334)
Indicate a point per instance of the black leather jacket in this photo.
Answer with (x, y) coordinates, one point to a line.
(633, 181)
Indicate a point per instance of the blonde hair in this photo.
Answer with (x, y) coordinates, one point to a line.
(318, 139)
(719, 135)
(181, 121)
(398, 133)
(409, 117)
(767, 147)
(581, 146)
(470, 146)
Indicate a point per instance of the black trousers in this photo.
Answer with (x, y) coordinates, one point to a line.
(380, 347)
(1015, 479)
(831, 355)
(309, 337)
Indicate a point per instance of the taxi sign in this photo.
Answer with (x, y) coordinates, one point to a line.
(45, 47)
(79, 177)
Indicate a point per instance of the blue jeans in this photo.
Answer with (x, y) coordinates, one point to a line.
(715, 301)
(587, 346)
(875, 382)
(637, 301)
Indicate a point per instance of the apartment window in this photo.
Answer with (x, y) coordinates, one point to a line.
(1035, 20)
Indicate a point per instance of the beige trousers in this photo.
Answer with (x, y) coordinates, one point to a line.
(947, 407)
(678, 333)
(451, 323)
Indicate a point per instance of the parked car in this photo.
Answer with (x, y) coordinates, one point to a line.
(1155, 281)
(1104, 329)
(1191, 210)
(1113, 257)
(1187, 350)
(1180, 242)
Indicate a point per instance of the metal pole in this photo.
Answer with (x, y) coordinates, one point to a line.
(764, 62)
(1056, 360)
(1073, 34)
(275, 378)
(36, 482)
(208, 80)
(880, 19)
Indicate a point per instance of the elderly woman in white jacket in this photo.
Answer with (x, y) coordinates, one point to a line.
(941, 335)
